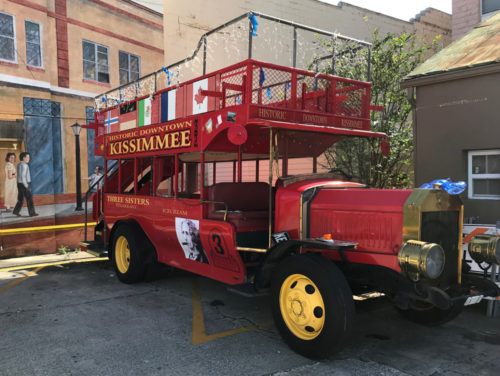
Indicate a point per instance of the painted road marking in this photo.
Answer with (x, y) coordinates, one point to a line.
(22, 267)
(18, 281)
(198, 333)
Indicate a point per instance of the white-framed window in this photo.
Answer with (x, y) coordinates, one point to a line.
(130, 67)
(33, 44)
(95, 62)
(484, 174)
(488, 8)
(7, 38)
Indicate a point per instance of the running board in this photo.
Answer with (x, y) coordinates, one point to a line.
(94, 248)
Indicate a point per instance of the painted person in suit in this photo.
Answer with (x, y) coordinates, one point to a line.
(23, 186)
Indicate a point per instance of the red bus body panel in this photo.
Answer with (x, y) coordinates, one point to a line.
(157, 216)
(373, 218)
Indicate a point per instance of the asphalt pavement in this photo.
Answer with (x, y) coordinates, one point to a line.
(78, 319)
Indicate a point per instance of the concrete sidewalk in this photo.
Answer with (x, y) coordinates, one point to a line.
(16, 262)
(44, 212)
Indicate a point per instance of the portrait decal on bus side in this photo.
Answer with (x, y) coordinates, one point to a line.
(188, 235)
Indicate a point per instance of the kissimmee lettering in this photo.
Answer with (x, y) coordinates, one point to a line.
(157, 142)
(152, 139)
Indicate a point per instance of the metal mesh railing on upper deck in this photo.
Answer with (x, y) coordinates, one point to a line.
(315, 93)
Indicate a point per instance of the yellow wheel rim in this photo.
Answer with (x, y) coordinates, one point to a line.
(302, 306)
(122, 254)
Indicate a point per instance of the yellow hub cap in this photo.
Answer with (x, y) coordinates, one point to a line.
(122, 254)
(302, 306)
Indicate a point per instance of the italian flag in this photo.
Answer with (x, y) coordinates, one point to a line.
(144, 117)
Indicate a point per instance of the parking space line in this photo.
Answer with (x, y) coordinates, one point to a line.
(18, 281)
(22, 267)
(198, 333)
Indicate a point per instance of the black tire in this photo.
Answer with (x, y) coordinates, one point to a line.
(129, 268)
(338, 305)
(427, 314)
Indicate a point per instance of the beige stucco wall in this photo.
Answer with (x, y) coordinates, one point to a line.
(21, 14)
(116, 23)
(86, 20)
(185, 22)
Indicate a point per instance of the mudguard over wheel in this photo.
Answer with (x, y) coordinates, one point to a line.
(427, 314)
(128, 255)
(312, 305)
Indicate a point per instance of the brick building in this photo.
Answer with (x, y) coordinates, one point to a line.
(468, 13)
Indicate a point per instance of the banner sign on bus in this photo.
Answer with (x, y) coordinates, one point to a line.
(175, 135)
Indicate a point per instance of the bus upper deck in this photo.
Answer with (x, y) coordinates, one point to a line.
(192, 115)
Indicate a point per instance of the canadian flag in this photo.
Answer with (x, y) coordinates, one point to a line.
(196, 102)
(188, 100)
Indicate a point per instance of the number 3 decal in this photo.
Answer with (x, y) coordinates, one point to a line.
(216, 243)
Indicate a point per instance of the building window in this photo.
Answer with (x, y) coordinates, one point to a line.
(33, 44)
(95, 62)
(484, 174)
(488, 7)
(129, 67)
(7, 38)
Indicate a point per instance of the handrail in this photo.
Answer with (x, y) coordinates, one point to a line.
(89, 193)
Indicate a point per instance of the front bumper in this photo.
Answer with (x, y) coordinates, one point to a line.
(471, 291)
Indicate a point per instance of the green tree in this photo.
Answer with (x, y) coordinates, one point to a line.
(392, 58)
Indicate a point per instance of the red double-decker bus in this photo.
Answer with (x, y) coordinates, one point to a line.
(221, 176)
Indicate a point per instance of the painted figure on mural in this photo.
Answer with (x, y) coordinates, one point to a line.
(10, 182)
(23, 186)
(94, 178)
(188, 234)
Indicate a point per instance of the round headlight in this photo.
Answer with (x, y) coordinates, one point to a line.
(418, 259)
(485, 248)
(434, 260)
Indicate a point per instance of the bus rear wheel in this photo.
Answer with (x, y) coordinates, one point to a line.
(312, 305)
(128, 261)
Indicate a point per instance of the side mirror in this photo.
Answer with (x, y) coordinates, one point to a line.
(385, 148)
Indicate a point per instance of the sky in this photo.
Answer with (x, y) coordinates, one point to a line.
(402, 9)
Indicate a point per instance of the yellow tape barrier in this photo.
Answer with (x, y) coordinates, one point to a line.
(30, 230)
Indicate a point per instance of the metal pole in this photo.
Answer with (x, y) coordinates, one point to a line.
(78, 174)
(250, 38)
(205, 55)
(295, 47)
(333, 56)
(369, 74)
(271, 158)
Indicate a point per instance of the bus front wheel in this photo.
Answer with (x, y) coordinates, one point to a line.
(312, 305)
(126, 254)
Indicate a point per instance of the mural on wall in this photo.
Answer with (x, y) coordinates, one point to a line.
(34, 186)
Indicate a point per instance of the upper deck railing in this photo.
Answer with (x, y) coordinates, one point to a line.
(303, 96)
(251, 35)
